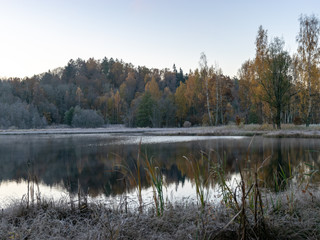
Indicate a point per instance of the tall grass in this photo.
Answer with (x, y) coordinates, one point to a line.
(245, 198)
(200, 169)
(154, 176)
(156, 179)
(133, 175)
(32, 184)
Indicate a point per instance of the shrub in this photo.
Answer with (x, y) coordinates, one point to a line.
(253, 118)
(238, 120)
(86, 118)
(266, 127)
(205, 120)
(297, 120)
(187, 124)
(20, 115)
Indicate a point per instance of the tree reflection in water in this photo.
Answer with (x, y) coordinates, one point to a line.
(62, 159)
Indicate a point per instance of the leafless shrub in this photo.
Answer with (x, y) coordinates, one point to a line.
(187, 124)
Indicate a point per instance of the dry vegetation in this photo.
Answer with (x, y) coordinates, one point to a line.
(289, 215)
(267, 130)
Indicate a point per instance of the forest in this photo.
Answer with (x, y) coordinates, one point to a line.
(274, 87)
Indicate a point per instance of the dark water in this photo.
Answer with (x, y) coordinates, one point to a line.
(61, 162)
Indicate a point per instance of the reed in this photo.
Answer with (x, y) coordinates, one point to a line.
(156, 179)
(133, 176)
(202, 175)
(244, 198)
(33, 189)
(153, 174)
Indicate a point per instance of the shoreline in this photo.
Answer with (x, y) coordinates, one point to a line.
(291, 214)
(289, 131)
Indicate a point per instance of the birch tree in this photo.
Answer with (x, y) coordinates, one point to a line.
(218, 73)
(260, 64)
(309, 56)
(204, 74)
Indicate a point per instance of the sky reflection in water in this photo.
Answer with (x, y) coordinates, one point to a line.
(59, 161)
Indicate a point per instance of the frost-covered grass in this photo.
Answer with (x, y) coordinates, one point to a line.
(288, 130)
(292, 214)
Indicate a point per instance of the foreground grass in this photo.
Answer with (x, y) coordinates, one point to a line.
(293, 214)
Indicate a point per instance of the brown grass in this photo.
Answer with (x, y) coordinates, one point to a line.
(293, 214)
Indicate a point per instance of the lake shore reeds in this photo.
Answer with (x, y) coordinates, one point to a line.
(285, 217)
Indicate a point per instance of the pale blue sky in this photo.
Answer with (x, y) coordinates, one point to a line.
(38, 35)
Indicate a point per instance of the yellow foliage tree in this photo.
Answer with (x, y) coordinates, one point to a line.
(153, 88)
(181, 102)
(309, 56)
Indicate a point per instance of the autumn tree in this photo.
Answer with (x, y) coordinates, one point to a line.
(204, 70)
(220, 90)
(117, 106)
(79, 95)
(181, 103)
(167, 108)
(129, 87)
(195, 97)
(169, 80)
(276, 81)
(218, 95)
(260, 68)
(309, 56)
(246, 78)
(116, 74)
(153, 88)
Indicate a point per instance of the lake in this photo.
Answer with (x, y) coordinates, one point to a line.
(62, 163)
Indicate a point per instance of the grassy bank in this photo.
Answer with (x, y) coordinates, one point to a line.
(293, 214)
(267, 130)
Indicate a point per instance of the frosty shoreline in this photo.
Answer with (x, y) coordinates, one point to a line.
(295, 217)
(246, 130)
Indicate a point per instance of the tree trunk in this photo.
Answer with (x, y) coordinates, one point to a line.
(217, 100)
(221, 109)
(273, 120)
(208, 102)
(309, 93)
(278, 117)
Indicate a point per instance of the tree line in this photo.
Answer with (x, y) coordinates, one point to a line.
(274, 87)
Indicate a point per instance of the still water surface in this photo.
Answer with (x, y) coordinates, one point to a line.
(61, 163)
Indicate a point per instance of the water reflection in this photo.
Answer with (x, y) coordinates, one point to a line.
(62, 160)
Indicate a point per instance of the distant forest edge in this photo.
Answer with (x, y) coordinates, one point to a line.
(274, 87)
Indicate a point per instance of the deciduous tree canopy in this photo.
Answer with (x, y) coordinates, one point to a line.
(274, 87)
